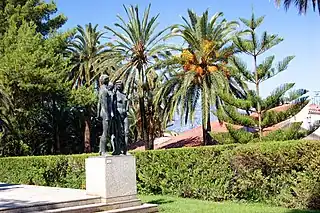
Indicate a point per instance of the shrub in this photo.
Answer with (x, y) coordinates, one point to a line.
(280, 173)
(59, 170)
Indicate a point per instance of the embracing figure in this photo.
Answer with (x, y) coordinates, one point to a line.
(113, 108)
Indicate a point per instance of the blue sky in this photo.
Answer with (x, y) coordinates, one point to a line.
(301, 33)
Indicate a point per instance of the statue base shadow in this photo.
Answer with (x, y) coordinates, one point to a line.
(113, 179)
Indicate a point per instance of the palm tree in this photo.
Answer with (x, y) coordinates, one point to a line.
(203, 68)
(136, 44)
(302, 5)
(87, 54)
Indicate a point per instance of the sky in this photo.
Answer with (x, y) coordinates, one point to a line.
(301, 33)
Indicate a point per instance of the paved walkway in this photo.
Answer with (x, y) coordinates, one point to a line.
(13, 196)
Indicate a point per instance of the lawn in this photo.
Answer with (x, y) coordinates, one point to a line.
(183, 205)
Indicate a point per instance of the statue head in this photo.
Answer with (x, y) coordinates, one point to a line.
(119, 85)
(110, 86)
(104, 79)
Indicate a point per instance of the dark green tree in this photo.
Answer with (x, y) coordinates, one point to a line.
(33, 75)
(41, 13)
(259, 113)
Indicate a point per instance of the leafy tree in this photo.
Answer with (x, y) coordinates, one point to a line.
(136, 45)
(259, 112)
(302, 5)
(202, 68)
(37, 11)
(33, 75)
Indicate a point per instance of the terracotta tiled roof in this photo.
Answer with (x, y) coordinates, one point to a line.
(276, 109)
(193, 137)
(189, 138)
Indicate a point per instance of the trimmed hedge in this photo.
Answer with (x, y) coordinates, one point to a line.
(279, 173)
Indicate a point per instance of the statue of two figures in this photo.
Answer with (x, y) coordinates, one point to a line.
(113, 109)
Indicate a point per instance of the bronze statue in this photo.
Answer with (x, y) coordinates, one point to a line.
(105, 110)
(113, 108)
(121, 116)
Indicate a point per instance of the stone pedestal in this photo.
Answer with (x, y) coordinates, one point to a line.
(113, 178)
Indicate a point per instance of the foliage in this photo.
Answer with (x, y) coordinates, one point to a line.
(87, 55)
(41, 13)
(202, 68)
(302, 5)
(280, 173)
(284, 173)
(257, 114)
(58, 170)
(292, 131)
(33, 73)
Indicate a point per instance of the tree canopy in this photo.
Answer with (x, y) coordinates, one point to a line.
(49, 79)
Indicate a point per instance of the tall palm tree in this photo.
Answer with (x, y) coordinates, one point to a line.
(203, 67)
(87, 53)
(136, 43)
(302, 5)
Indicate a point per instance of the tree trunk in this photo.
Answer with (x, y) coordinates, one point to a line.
(87, 141)
(144, 124)
(258, 94)
(206, 129)
(56, 145)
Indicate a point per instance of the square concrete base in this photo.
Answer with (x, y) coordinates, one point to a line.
(113, 178)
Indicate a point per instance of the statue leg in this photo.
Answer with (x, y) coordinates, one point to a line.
(117, 136)
(103, 138)
(113, 144)
(113, 137)
(126, 135)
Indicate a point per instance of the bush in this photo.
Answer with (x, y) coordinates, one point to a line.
(279, 173)
(58, 171)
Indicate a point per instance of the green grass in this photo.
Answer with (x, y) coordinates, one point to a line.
(184, 205)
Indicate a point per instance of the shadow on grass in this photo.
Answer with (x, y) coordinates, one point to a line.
(160, 201)
(302, 211)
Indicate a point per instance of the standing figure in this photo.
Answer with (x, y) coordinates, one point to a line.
(121, 115)
(105, 110)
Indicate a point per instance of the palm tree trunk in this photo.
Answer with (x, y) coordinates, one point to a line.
(144, 124)
(206, 128)
(151, 126)
(87, 143)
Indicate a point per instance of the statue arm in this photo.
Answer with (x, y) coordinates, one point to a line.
(110, 105)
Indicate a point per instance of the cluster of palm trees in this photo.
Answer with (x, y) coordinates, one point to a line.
(131, 57)
(158, 82)
(160, 79)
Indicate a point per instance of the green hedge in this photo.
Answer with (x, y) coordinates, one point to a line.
(279, 173)
(60, 170)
